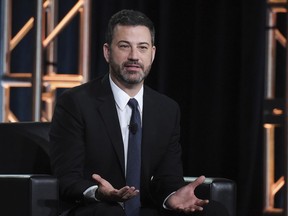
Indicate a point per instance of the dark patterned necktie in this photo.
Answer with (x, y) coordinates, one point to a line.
(134, 158)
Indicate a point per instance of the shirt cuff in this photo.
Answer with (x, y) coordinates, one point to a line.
(89, 193)
(164, 203)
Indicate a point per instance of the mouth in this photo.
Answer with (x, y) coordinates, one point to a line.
(132, 67)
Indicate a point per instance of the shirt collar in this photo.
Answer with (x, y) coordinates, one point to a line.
(122, 98)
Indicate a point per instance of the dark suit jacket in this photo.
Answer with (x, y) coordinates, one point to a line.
(86, 139)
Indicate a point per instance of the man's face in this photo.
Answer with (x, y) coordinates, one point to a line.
(130, 55)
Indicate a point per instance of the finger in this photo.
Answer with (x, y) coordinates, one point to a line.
(198, 181)
(123, 191)
(100, 181)
(129, 193)
(97, 177)
(192, 208)
(202, 202)
(133, 193)
(123, 198)
(197, 208)
(187, 209)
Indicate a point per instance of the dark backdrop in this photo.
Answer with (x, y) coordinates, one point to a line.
(210, 59)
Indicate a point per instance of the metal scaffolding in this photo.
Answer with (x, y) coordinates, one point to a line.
(275, 110)
(44, 80)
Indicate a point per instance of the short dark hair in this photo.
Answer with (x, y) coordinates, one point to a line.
(129, 18)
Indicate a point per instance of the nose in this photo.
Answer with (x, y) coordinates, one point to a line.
(133, 54)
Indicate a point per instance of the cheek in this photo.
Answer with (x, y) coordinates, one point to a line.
(119, 58)
(148, 60)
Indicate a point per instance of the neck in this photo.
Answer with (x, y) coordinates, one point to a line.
(130, 89)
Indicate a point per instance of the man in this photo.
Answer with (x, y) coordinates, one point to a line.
(95, 124)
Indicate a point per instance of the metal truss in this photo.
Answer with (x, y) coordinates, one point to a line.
(44, 80)
(274, 110)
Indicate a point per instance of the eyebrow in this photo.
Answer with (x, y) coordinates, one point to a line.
(140, 43)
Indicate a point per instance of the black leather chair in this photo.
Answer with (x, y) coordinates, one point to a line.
(28, 188)
(26, 184)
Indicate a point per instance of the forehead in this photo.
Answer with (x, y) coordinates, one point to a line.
(137, 34)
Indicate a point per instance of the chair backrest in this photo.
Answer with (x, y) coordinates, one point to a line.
(24, 148)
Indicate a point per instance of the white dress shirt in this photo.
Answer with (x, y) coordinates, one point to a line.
(124, 111)
(124, 114)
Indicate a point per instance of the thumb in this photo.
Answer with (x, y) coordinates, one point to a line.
(97, 178)
(198, 181)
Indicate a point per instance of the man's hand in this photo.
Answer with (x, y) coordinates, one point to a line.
(107, 192)
(184, 199)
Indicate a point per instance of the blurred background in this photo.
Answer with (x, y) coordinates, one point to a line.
(212, 58)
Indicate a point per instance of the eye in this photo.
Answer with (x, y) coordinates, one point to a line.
(143, 48)
(124, 46)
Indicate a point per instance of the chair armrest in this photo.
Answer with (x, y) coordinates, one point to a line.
(29, 195)
(221, 193)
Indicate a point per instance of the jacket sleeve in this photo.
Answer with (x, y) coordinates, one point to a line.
(68, 148)
(168, 176)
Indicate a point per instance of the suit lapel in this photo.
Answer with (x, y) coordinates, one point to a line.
(108, 112)
(148, 130)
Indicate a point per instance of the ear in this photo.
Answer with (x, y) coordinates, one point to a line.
(106, 52)
(153, 53)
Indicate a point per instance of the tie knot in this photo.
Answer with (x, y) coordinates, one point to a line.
(133, 103)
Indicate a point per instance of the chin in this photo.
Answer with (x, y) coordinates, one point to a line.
(130, 80)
